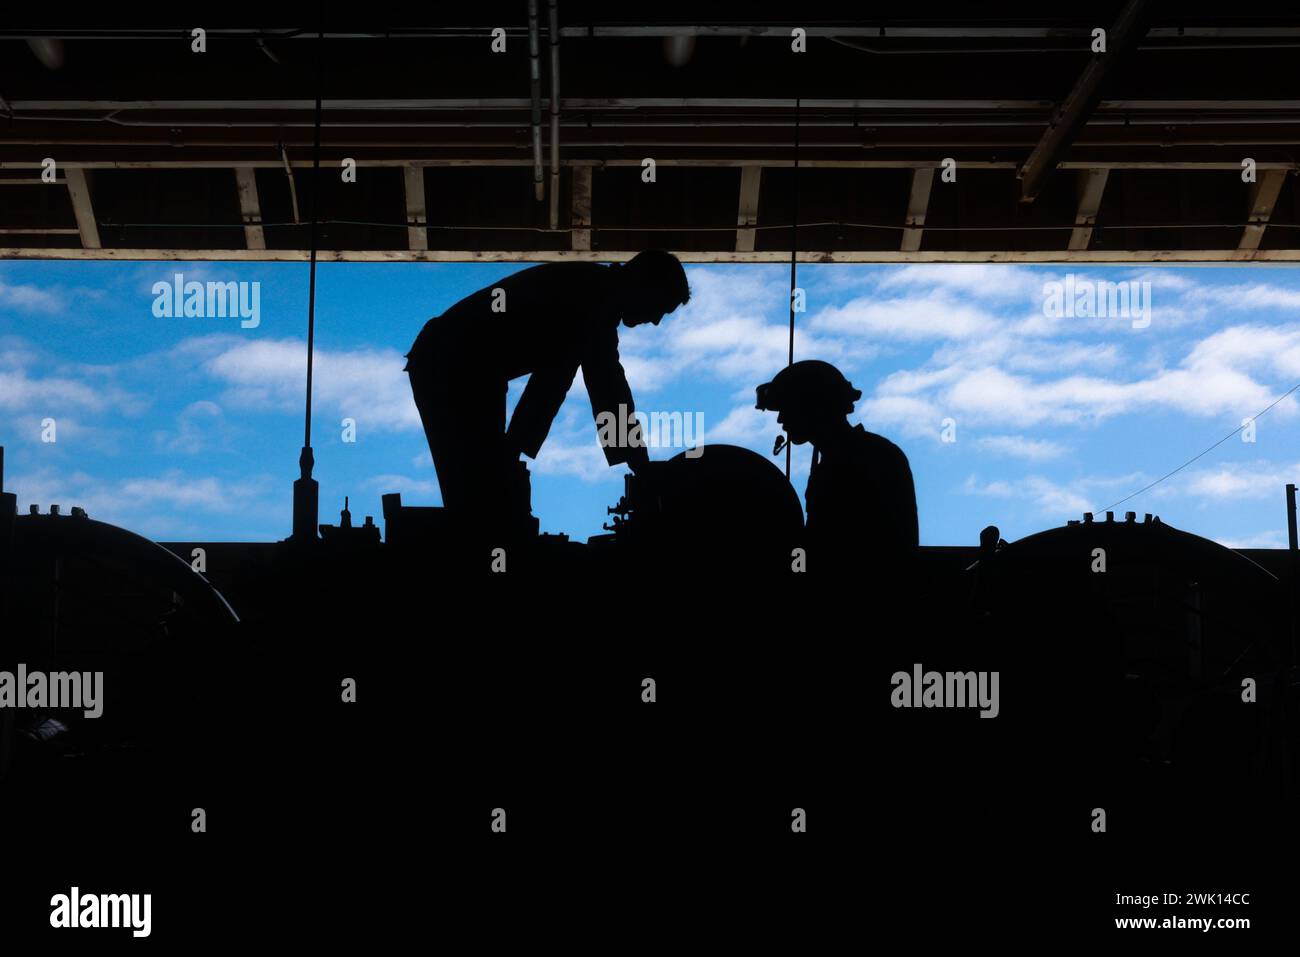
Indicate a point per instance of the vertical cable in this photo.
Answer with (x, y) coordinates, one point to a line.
(311, 293)
(794, 245)
(306, 490)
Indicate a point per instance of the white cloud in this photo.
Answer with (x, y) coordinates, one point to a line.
(1254, 347)
(403, 484)
(29, 299)
(53, 395)
(1062, 500)
(1043, 356)
(1000, 382)
(734, 330)
(744, 425)
(1266, 539)
(932, 315)
(580, 457)
(910, 415)
(572, 447)
(177, 490)
(1257, 480)
(1048, 497)
(1018, 446)
(1251, 297)
(364, 384)
(145, 502)
(196, 424)
(989, 281)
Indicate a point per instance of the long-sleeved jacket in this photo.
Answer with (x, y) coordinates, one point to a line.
(861, 494)
(548, 322)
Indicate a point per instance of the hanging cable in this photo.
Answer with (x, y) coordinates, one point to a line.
(311, 290)
(794, 245)
(306, 490)
(1147, 488)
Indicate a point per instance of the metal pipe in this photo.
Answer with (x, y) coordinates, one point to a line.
(1072, 115)
(780, 28)
(739, 118)
(1292, 568)
(920, 121)
(306, 490)
(288, 171)
(794, 268)
(555, 113)
(1290, 518)
(769, 162)
(535, 82)
(340, 104)
(311, 290)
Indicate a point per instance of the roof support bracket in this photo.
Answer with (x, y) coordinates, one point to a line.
(81, 206)
(1071, 116)
(580, 208)
(250, 209)
(1092, 183)
(1260, 202)
(747, 213)
(918, 202)
(417, 216)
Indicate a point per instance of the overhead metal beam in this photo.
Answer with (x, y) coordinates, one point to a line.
(250, 209)
(747, 212)
(417, 215)
(854, 28)
(1261, 199)
(695, 256)
(913, 32)
(1092, 184)
(293, 187)
(520, 104)
(554, 32)
(709, 163)
(535, 98)
(918, 201)
(82, 207)
(336, 106)
(1073, 112)
(580, 209)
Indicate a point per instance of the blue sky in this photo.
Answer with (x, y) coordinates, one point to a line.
(189, 428)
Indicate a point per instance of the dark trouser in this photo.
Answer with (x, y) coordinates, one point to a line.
(464, 417)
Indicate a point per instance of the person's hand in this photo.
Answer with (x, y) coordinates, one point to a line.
(511, 451)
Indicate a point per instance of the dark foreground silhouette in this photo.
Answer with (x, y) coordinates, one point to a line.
(654, 707)
(860, 497)
(546, 322)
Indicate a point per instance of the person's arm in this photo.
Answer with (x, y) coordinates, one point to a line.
(537, 409)
(609, 392)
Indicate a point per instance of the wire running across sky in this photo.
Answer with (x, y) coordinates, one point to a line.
(1235, 431)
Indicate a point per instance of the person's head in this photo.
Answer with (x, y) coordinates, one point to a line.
(813, 400)
(651, 285)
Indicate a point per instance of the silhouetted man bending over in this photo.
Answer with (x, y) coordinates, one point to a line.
(860, 499)
(547, 321)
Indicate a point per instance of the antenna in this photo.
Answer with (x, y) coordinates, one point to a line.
(306, 490)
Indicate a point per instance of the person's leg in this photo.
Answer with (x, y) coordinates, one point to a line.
(481, 420)
(464, 419)
(436, 404)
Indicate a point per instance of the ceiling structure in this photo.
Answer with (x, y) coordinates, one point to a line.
(923, 135)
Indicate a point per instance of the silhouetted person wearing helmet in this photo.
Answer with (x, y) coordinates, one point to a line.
(860, 499)
(548, 322)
